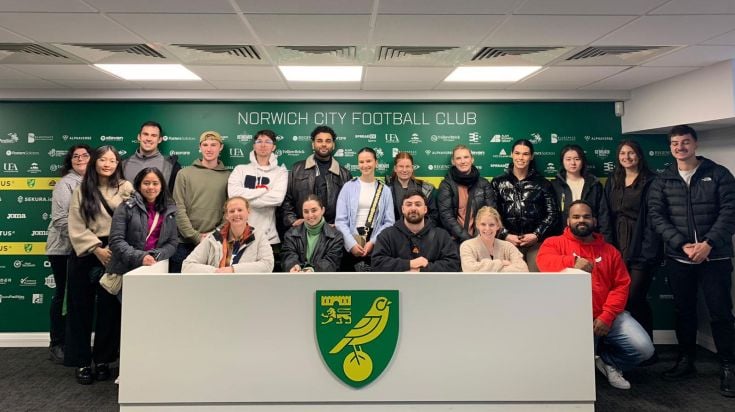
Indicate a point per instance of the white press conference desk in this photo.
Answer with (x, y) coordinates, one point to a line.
(466, 342)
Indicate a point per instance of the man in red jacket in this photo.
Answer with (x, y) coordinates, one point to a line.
(626, 343)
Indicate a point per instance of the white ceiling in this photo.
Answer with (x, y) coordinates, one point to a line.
(695, 33)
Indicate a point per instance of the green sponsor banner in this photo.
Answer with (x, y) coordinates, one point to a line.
(357, 332)
(34, 137)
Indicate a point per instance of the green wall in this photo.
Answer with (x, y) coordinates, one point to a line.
(34, 137)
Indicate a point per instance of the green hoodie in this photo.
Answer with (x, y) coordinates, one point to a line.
(200, 194)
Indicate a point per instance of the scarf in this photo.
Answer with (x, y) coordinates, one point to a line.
(465, 179)
(312, 237)
(225, 232)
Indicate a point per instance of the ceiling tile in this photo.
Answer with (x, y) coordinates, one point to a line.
(468, 7)
(567, 77)
(67, 28)
(408, 30)
(636, 77)
(695, 56)
(726, 39)
(247, 85)
(386, 86)
(162, 6)
(299, 30)
(669, 30)
(600, 7)
(697, 7)
(324, 86)
(473, 86)
(176, 85)
(187, 28)
(554, 30)
(63, 71)
(45, 6)
(6, 73)
(84, 84)
(406, 74)
(305, 6)
(237, 73)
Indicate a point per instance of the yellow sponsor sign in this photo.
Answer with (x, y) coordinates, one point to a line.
(23, 248)
(28, 183)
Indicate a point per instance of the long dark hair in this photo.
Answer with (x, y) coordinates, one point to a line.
(163, 198)
(619, 173)
(582, 156)
(67, 166)
(528, 144)
(401, 156)
(91, 196)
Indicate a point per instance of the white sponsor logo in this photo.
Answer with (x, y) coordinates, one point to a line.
(5, 281)
(11, 297)
(474, 138)
(7, 233)
(28, 282)
(598, 138)
(602, 153)
(23, 264)
(56, 153)
(54, 167)
(178, 138)
(236, 152)
(44, 216)
(244, 137)
(536, 138)
(10, 167)
(345, 153)
(303, 138)
(660, 153)
(16, 215)
(37, 299)
(477, 152)
(13, 138)
(67, 137)
(372, 137)
(23, 153)
(444, 138)
(550, 168)
(438, 167)
(50, 282)
(32, 137)
(608, 166)
(499, 165)
(290, 152)
(394, 152)
(104, 138)
(501, 138)
(555, 138)
(34, 168)
(43, 233)
(179, 153)
(391, 138)
(379, 152)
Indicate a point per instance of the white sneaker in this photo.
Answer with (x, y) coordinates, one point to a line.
(614, 376)
(117, 380)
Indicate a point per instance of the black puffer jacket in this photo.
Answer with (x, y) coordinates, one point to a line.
(426, 188)
(592, 193)
(301, 183)
(397, 245)
(129, 230)
(327, 253)
(481, 194)
(704, 210)
(526, 206)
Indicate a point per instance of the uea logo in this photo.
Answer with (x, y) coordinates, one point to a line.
(357, 332)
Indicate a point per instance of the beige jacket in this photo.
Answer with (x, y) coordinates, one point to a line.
(85, 237)
(476, 258)
(205, 258)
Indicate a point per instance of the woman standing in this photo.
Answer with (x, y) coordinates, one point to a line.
(314, 246)
(485, 253)
(90, 219)
(403, 181)
(234, 248)
(461, 194)
(58, 247)
(573, 182)
(525, 202)
(144, 227)
(364, 209)
(626, 226)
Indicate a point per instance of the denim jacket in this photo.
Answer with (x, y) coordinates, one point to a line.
(347, 202)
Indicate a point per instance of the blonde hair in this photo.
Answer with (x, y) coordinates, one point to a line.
(489, 211)
(460, 147)
(227, 202)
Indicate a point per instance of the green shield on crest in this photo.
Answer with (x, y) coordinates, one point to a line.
(357, 332)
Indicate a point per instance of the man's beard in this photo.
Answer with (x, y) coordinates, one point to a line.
(414, 218)
(581, 230)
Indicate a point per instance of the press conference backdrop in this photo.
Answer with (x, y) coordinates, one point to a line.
(34, 137)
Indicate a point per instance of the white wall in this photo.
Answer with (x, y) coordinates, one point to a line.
(699, 96)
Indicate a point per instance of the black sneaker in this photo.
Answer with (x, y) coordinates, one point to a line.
(56, 354)
(101, 372)
(727, 381)
(84, 375)
(683, 369)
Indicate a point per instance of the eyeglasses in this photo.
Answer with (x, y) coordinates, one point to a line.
(265, 142)
(80, 156)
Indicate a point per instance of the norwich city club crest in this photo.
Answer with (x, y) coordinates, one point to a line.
(357, 332)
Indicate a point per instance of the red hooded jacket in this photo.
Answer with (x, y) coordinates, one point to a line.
(610, 278)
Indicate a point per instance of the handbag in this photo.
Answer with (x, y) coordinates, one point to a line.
(364, 238)
(112, 282)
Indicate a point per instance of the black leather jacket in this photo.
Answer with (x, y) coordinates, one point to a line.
(526, 206)
(327, 253)
(301, 181)
(426, 188)
(480, 195)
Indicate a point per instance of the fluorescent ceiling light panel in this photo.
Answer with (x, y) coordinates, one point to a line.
(490, 74)
(322, 73)
(149, 71)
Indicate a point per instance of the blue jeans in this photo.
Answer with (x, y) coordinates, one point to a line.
(626, 345)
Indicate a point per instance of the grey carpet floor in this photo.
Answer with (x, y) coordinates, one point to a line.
(30, 382)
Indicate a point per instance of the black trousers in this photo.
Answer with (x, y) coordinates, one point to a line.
(175, 261)
(82, 296)
(57, 327)
(714, 278)
(641, 276)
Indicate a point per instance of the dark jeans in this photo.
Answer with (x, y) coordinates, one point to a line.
(82, 294)
(175, 261)
(57, 327)
(714, 278)
(640, 281)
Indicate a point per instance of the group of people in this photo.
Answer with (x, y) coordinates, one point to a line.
(318, 218)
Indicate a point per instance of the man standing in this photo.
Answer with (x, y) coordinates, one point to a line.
(625, 343)
(263, 183)
(200, 192)
(692, 206)
(412, 245)
(320, 174)
(147, 155)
